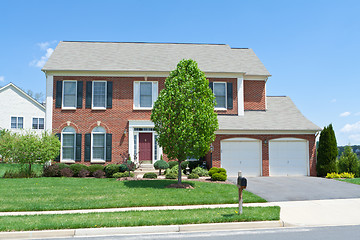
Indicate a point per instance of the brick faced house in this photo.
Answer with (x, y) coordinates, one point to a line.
(100, 95)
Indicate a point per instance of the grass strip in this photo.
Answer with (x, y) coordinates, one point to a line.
(40, 194)
(137, 218)
(351, 180)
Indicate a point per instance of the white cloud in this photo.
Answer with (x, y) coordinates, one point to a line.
(41, 62)
(355, 137)
(333, 100)
(345, 114)
(45, 45)
(351, 127)
(2, 78)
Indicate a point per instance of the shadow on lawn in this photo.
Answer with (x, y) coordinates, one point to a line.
(159, 184)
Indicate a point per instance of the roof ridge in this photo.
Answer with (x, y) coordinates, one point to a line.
(221, 44)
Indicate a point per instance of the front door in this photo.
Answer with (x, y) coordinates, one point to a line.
(145, 147)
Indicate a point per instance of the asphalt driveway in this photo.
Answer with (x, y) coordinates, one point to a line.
(277, 189)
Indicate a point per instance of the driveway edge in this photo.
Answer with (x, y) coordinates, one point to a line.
(83, 232)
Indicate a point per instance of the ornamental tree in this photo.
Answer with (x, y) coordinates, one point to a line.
(183, 114)
(161, 164)
(348, 161)
(327, 152)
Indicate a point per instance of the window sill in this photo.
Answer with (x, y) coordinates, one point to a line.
(68, 108)
(220, 109)
(98, 108)
(67, 161)
(97, 161)
(143, 108)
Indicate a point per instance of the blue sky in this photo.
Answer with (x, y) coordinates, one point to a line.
(311, 48)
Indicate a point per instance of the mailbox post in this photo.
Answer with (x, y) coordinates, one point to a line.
(241, 184)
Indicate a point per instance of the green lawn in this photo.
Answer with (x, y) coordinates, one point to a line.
(37, 194)
(352, 180)
(137, 218)
(14, 166)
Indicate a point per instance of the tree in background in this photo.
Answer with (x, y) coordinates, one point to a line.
(327, 152)
(348, 161)
(184, 114)
(29, 148)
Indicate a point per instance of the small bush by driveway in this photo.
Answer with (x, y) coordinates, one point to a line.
(276, 189)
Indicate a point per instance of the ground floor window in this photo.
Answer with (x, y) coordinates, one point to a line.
(68, 143)
(98, 143)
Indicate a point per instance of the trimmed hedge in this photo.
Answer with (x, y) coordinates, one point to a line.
(193, 176)
(122, 174)
(150, 175)
(111, 169)
(76, 168)
(93, 168)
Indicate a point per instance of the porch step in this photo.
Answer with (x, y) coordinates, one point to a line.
(146, 166)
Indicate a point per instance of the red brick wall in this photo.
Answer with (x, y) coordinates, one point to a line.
(216, 155)
(254, 95)
(114, 120)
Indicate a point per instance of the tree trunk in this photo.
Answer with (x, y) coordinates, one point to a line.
(179, 173)
(159, 171)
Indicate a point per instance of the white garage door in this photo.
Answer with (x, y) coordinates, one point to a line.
(242, 154)
(288, 157)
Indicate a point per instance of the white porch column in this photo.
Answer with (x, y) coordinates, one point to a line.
(49, 102)
(131, 143)
(240, 95)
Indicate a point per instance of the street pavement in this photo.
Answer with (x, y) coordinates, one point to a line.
(308, 233)
(302, 188)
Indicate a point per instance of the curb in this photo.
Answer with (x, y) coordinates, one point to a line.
(84, 232)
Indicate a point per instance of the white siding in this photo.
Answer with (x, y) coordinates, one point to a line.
(15, 103)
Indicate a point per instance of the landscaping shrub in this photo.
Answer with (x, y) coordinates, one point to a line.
(122, 174)
(341, 175)
(76, 168)
(84, 173)
(219, 176)
(200, 171)
(216, 170)
(67, 172)
(150, 175)
(123, 168)
(111, 169)
(161, 164)
(348, 161)
(173, 170)
(194, 164)
(173, 164)
(184, 164)
(61, 165)
(193, 176)
(327, 152)
(171, 176)
(51, 171)
(99, 174)
(93, 168)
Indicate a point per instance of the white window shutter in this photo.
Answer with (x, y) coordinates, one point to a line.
(137, 94)
(154, 91)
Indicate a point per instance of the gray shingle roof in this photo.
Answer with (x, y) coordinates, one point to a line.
(157, 57)
(281, 114)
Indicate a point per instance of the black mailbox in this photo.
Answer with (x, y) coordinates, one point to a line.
(241, 182)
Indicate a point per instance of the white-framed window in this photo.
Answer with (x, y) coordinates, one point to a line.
(99, 95)
(17, 122)
(98, 144)
(68, 142)
(69, 94)
(145, 94)
(38, 123)
(219, 89)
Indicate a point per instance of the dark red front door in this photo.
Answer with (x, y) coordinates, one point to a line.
(145, 146)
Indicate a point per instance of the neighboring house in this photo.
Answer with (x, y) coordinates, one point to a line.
(19, 111)
(99, 97)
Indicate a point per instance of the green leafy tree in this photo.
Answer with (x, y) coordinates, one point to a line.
(327, 152)
(183, 114)
(348, 161)
(161, 164)
(29, 148)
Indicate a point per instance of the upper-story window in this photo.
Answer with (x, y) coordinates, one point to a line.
(38, 123)
(99, 94)
(145, 94)
(223, 92)
(220, 94)
(17, 122)
(69, 94)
